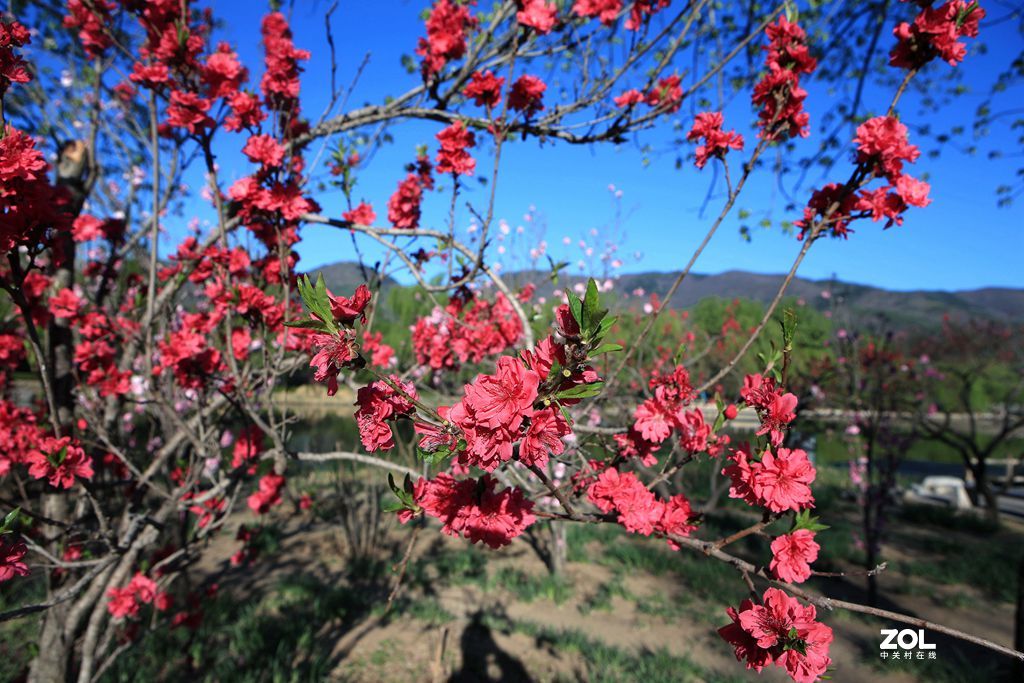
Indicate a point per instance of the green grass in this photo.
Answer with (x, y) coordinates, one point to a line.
(601, 600)
(18, 636)
(610, 664)
(989, 565)
(832, 449)
(429, 610)
(579, 536)
(275, 638)
(528, 588)
(947, 519)
(464, 565)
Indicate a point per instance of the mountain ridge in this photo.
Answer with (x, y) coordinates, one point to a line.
(913, 308)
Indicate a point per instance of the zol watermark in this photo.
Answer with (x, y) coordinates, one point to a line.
(905, 643)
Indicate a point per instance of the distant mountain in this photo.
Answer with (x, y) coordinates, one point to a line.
(343, 277)
(920, 309)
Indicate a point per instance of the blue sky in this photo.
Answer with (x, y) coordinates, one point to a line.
(961, 241)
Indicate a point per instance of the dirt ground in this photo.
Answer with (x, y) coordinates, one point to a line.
(477, 630)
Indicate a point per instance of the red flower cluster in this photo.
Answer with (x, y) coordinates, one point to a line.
(774, 408)
(935, 32)
(465, 331)
(484, 88)
(792, 555)
(29, 205)
(87, 228)
(347, 310)
(92, 20)
(12, 555)
(638, 509)
(205, 510)
(658, 417)
(248, 446)
(473, 509)
(125, 602)
(446, 36)
(259, 204)
(19, 435)
(222, 73)
(280, 83)
(781, 632)
(538, 15)
(527, 95)
(377, 403)
(707, 126)
(882, 148)
(492, 412)
(188, 110)
(607, 11)
(667, 94)
(335, 351)
(12, 67)
(778, 94)
(381, 355)
(453, 157)
(265, 150)
(543, 436)
(779, 481)
(267, 495)
(59, 461)
(641, 10)
(404, 204)
(361, 215)
(188, 354)
(96, 355)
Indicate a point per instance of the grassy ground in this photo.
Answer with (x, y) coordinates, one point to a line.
(627, 608)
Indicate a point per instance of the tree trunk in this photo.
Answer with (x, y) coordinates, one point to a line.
(870, 546)
(986, 493)
(55, 649)
(51, 661)
(559, 549)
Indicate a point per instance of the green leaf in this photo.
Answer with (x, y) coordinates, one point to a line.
(433, 457)
(603, 327)
(555, 269)
(9, 520)
(591, 300)
(605, 348)
(566, 415)
(581, 391)
(406, 499)
(318, 325)
(317, 300)
(575, 307)
(789, 322)
(58, 458)
(804, 520)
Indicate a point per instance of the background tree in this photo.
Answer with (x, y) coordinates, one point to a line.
(976, 397)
